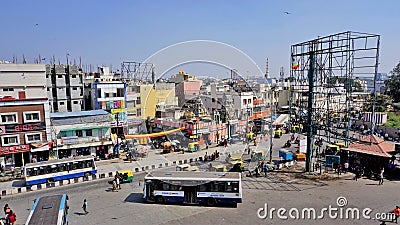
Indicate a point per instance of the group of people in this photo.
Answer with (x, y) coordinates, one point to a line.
(261, 167)
(10, 216)
(117, 182)
(211, 157)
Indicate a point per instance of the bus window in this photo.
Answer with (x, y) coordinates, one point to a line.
(228, 187)
(235, 186)
(61, 167)
(28, 172)
(42, 170)
(221, 186)
(214, 186)
(53, 169)
(73, 166)
(35, 171)
(165, 187)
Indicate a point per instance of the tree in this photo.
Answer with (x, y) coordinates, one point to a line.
(381, 104)
(393, 84)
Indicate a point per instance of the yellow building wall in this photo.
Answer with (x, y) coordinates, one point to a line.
(151, 97)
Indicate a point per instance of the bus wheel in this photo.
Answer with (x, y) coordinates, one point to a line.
(49, 181)
(160, 199)
(210, 202)
(86, 176)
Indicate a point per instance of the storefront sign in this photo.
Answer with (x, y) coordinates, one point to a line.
(10, 128)
(14, 149)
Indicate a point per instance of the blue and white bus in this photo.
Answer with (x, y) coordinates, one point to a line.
(189, 187)
(54, 170)
(52, 210)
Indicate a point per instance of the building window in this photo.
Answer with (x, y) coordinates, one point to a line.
(75, 88)
(89, 133)
(79, 133)
(120, 92)
(7, 118)
(34, 137)
(75, 102)
(62, 103)
(8, 89)
(31, 117)
(59, 76)
(107, 95)
(73, 76)
(138, 101)
(139, 112)
(10, 140)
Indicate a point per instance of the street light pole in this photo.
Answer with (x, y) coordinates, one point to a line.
(270, 127)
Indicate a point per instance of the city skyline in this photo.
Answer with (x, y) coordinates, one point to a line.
(107, 34)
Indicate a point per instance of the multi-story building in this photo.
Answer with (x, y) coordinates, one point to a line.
(82, 133)
(64, 88)
(24, 133)
(104, 91)
(24, 111)
(185, 85)
(143, 100)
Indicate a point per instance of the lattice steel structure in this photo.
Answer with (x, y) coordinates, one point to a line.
(324, 74)
(136, 72)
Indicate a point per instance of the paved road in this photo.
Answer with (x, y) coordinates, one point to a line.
(278, 190)
(155, 158)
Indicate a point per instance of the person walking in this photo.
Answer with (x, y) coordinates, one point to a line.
(12, 218)
(396, 212)
(381, 176)
(357, 172)
(6, 213)
(118, 183)
(346, 167)
(84, 206)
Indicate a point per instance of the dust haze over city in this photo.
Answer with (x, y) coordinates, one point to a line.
(199, 112)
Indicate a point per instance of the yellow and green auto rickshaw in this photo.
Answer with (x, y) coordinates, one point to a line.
(236, 163)
(168, 147)
(331, 149)
(193, 146)
(125, 175)
(278, 134)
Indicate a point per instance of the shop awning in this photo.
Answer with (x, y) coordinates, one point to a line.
(39, 147)
(371, 145)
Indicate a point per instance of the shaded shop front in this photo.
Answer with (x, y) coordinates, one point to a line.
(15, 156)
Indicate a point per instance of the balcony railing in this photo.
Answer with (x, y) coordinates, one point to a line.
(73, 140)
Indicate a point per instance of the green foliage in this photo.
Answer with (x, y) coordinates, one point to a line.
(382, 103)
(393, 120)
(393, 84)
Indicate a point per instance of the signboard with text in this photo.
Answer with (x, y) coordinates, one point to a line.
(14, 149)
(11, 128)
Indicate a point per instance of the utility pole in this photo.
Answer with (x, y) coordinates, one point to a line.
(270, 127)
(117, 115)
(310, 111)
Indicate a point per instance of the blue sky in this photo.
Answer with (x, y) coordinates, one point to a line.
(109, 32)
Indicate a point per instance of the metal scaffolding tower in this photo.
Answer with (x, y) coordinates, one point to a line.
(324, 74)
(136, 72)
